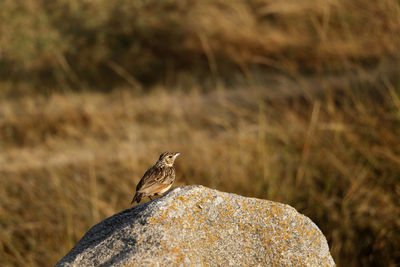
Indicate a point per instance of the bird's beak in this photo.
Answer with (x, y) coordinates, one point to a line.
(177, 154)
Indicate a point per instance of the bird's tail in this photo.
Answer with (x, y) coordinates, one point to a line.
(138, 196)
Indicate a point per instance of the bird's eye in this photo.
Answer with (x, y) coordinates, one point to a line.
(169, 156)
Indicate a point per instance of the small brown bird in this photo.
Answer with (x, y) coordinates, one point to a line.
(158, 179)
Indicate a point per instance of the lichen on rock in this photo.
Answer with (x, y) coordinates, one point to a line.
(195, 225)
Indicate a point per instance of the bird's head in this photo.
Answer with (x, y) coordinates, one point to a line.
(168, 158)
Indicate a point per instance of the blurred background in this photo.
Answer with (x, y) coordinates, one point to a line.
(291, 101)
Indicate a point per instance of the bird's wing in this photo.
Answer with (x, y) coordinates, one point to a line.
(155, 179)
(151, 177)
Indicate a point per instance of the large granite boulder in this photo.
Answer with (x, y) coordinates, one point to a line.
(195, 226)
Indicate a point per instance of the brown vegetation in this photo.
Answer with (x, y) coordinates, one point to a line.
(104, 43)
(68, 161)
(313, 119)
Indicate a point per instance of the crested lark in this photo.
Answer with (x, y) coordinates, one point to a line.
(158, 179)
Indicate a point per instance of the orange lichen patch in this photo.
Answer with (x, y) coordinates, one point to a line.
(212, 237)
(179, 255)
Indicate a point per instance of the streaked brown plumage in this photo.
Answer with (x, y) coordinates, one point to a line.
(158, 179)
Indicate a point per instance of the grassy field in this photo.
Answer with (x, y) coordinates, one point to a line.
(296, 102)
(68, 161)
(101, 44)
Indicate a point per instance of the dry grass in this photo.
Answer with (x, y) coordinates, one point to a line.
(68, 161)
(54, 44)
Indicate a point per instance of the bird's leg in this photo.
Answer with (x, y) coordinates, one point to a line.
(150, 198)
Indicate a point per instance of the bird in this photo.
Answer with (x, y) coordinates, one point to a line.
(157, 179)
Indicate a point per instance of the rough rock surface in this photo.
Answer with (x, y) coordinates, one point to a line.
(196, 226)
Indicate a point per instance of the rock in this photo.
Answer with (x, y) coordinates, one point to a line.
(195, 225)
